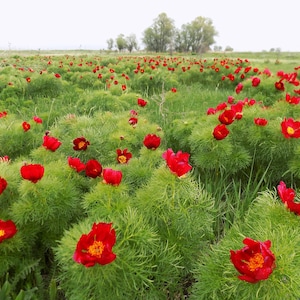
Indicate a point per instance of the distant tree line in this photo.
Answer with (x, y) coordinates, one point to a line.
(196, 36)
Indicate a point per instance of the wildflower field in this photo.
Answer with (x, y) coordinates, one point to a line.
(149, 176)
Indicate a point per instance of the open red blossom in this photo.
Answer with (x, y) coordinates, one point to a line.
(151, 141)
(4, 159)
(26, 126)
(178, 163)
(141, 102)
(255, 81)
(76, 163)
(96, 246)
(133, 121)
(32, 172)
(80, 143)
(260, 121)
(28, 79)
(113, 177)
(123, 156)
(211, 111)
(3, 114)
(173, 90)
(38, 120)
(292, 99)
(290, 128)
(221, 106)
(3, 185)
(93, 168)
(279, 85)
(239, 88)
(7, 230)
(220, 132)
(287, 196)
(51, 143)
(57, 75)
(227, 116)
(255, 261)
(238, 109)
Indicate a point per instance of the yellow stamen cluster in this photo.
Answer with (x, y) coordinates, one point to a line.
(2, 232)
(96, 249)
(257, 261)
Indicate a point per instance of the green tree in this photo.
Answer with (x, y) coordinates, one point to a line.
(131, 42)
(110, 44)
(159, 37)
(198, 35)
(121, 42)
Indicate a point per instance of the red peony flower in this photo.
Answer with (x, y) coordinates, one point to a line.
(38, 120)
(227, 116)
(76, 163)
(173, 90)
(57, 75)
(124, 87)
(3, 114)
(96, 246)
(239, 88)
(178, 162)
(255, 81)
(151, 141)
(211, 111)
(51, 143)
(4, 159)
(3, 185)
(287, 196)
(133, 121)
(26, 126)
(32, 172)
(255, 261)
(290, 128)
(279, 85)
(141, 102)
(221, 106)
(292, 99)
(113, 177)
(93, 168)
(260, 121)
(28, 79)
(220, 132)
(80, 143)
(7, 230)
(123, 156)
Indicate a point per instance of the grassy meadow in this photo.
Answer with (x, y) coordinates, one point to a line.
(210, 140)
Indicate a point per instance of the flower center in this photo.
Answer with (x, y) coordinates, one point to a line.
(96, 249)
(290, 130)
(257, 261)
(122, 159)
(2, 232)
(81, 144)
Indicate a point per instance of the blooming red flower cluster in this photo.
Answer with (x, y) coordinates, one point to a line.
(32, 172)
(151, 141)
(26, 126)
(80, 143)
(287, 196)
(7, 230)
(3, 185)
(96, 246)
(255, 261)
(141, 102)
(113, 177)
(290, 128)
(123, 156)
(93, 168)
(51, 143)
(178, 163)
(76, 163)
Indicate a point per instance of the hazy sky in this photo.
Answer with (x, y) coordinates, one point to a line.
(244, 25)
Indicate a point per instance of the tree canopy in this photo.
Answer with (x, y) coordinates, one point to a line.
(196, 36)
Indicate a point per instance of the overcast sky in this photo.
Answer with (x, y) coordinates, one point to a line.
(244, 25)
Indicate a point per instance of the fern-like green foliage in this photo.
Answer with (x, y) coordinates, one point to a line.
(180, 210)
(267, 219)
(144, 268)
